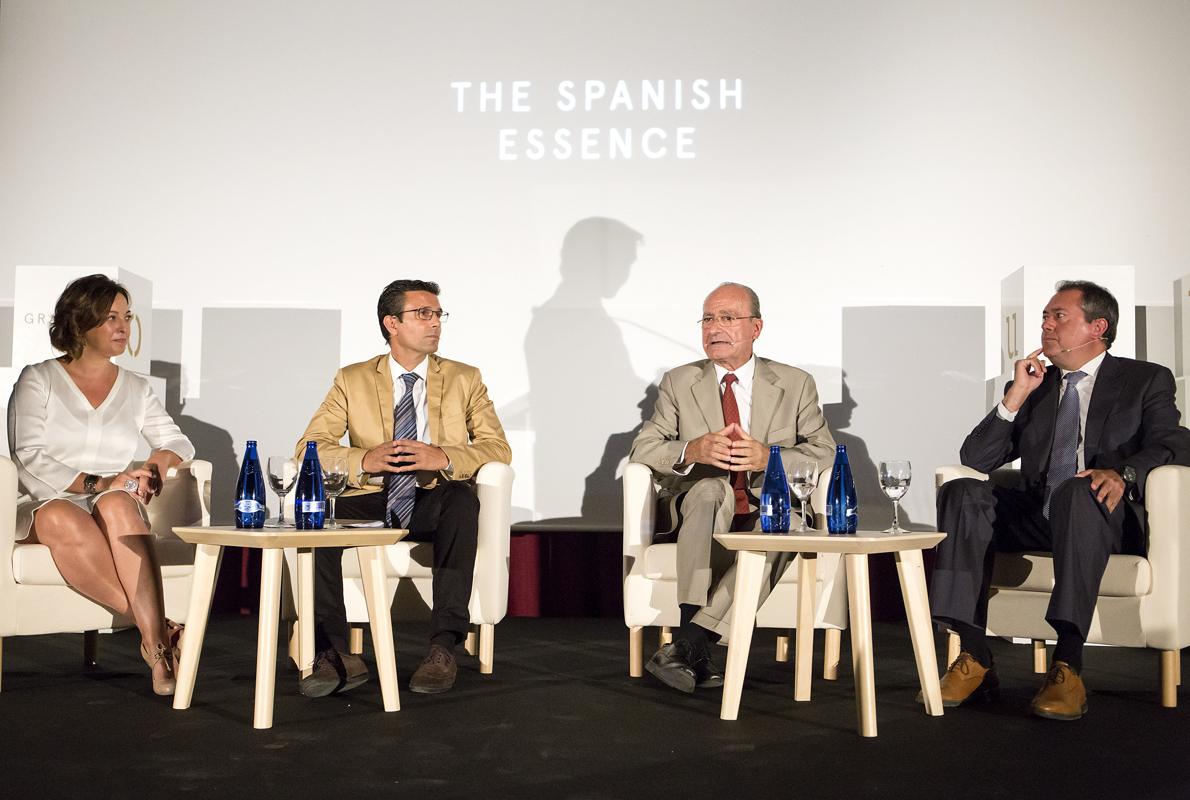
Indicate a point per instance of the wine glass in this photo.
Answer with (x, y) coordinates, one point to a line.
(334, 481)
(894, 480)
(803, 477)
(282, 474)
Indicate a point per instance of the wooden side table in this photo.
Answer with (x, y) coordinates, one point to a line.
(752, 549)
(210, 541)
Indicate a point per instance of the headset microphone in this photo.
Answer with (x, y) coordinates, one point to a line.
(1084, 344)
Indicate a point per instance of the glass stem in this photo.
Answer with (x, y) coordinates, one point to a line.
(281, 511)
(802, 516)
(333, 497)
(896, 517)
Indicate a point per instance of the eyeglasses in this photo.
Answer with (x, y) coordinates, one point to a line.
(726, 320)
(425, 313)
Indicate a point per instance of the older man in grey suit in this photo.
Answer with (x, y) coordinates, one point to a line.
(707, 444)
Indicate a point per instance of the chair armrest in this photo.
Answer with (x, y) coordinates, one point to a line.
(949, 472)
(184, 499)
(640, 511)
(1166, 610)
(8, 518)
(493, 488)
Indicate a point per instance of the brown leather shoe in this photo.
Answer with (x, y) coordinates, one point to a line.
(965, 679)
(333, 672)
(436, 673)
(1063, 695)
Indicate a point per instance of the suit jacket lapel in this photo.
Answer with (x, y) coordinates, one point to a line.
(1109, 382)
(766, 398)
(384, 396)
(706, 394)
(434, 382)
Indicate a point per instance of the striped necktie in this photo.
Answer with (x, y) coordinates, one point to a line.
(1064, 450)
(402, 485)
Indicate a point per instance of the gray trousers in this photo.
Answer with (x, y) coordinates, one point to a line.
(706, 570)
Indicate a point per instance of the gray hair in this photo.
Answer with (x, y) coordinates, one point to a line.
(753, 299)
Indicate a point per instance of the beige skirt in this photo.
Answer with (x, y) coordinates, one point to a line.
(27, 507)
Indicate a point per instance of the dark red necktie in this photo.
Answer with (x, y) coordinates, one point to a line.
(731, 413)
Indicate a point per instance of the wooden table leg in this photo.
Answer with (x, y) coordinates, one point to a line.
(202, 589)
(371, 570)
(917, 611)
(749, 571)
(305, 604)
(266, 636)
(807, 578)
(860, 608)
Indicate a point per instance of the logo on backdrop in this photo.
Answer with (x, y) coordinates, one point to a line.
(641, 102)
(140, 337)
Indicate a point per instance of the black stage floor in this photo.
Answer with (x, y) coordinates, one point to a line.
(560, 718)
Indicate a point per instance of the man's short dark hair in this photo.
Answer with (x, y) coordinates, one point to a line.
(1098, 303)
(392, 300)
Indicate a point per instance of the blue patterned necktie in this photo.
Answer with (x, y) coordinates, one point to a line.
(1064, 451)
(402, 485)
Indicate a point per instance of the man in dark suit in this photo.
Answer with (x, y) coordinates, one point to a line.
(1088, 429)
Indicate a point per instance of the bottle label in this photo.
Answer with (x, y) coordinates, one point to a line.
(248, 506)
(766, 509)
(313, 506)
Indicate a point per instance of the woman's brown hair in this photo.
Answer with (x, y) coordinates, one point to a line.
(83, 305)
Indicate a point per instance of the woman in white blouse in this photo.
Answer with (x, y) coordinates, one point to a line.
(74, 424)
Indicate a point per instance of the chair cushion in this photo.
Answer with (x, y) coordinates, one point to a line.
(1125, 576)
(32, 565)
(401, 560)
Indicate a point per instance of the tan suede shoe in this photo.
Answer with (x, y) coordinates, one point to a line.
(967, 678)
(1063, 695)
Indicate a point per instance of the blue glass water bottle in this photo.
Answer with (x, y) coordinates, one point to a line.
(775, 502)
(250, 509)
(842, 505)
(309, 499)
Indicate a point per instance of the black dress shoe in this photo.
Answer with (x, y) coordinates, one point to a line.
(355, 671)
(326, 677)
(706, 674)
(671, 665)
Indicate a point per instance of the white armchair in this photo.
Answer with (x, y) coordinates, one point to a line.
(651, 589)
(34, 599)
(1144, 601)
(412, 561)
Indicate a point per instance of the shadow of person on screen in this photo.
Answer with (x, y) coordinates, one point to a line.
(581, 381)
(875, 510)
(615, 454)
(211, 443)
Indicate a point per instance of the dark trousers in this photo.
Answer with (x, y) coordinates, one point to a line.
(447, 516)
(981, 519)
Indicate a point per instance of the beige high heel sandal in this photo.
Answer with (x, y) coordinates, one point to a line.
(161, 686)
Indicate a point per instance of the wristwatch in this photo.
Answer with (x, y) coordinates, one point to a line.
(89, 482)
(1129, 475)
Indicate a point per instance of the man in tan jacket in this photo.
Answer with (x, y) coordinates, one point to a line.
(708, 444)
(418, 428)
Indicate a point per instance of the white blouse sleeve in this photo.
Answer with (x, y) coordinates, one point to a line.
(159, 428)
(41, 475)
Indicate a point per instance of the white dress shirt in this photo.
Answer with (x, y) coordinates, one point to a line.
(420, 398)
(742, 389)
(54, 434)
(1084, 387)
